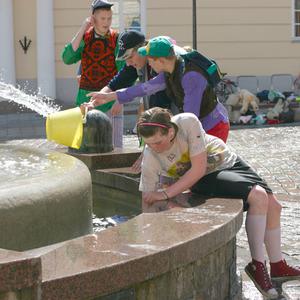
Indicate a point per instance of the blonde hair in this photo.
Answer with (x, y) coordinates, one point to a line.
(188, 48)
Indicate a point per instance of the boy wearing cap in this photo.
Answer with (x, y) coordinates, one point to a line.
(136, 67)
(185, 84)
(95, 44)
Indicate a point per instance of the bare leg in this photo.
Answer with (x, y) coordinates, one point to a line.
(273, 231)
(256, 222)
(274, 212)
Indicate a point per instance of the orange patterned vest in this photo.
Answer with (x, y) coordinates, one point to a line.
(98, 60)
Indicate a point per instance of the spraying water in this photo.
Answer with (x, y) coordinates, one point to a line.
(41, 104)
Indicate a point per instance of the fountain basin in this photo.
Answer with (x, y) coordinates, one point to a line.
(185, 253)
(45, 198)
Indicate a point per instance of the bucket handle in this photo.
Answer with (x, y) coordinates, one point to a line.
(84, 116)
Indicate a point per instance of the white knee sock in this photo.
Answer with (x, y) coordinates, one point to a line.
(255, 228)
(273, 244)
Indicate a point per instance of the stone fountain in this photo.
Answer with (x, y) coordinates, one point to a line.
(184, 253)
(45, 198)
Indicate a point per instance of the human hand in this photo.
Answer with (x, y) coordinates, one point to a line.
(99, 98)
(88, 22)
(116, 109)
(136, 167)
(86, 106)
(78, 78)
(151, 197)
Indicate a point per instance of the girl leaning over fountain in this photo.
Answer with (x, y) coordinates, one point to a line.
(178, 147)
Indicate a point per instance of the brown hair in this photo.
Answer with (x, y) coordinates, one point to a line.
(155, 120)
(135, 48)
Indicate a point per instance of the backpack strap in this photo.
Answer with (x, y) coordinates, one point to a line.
(209, 67)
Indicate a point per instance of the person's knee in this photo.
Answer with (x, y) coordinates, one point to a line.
(258, 199)
(274, 205)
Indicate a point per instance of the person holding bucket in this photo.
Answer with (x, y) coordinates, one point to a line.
(95, 45)
(136, 68)
(185, 83)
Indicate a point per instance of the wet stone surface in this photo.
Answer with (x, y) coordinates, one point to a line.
(100, 224)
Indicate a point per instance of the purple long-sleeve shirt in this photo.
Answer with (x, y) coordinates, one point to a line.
(193, 84)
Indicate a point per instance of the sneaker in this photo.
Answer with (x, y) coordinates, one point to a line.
(282, 271)
(258, 273)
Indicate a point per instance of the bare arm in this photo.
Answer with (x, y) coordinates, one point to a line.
(195, 173)
(99, 98)
(88, 22)
(106, 89)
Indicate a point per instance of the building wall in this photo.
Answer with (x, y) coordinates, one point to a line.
(24, 17)
(245, 37)
(68, 17)
(25, 25)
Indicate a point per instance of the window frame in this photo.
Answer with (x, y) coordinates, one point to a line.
(294, 10)
(142, 16)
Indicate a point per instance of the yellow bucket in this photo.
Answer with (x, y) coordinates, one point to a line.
(66, 127)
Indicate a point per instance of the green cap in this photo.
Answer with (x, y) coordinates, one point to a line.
(160, 46)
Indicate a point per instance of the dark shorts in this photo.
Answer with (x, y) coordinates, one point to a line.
(235, 182)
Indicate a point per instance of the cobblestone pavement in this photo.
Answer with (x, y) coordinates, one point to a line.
(275, 154)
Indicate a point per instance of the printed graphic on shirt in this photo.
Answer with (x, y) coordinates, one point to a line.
(215, 157)
(190, 141)
(180, 167)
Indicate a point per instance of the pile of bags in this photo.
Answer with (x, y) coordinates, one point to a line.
(249, 113)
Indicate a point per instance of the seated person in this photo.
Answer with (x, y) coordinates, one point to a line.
(178, 147)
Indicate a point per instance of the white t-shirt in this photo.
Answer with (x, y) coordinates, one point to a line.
(190, 141)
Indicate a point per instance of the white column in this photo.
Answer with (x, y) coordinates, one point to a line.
(7, 50)
(121, 16)
(45, 48)
(143, 12)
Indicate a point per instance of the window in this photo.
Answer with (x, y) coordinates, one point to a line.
(296, 19)
(128, 14)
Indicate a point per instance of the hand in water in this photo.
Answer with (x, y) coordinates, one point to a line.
(151, 197)
(137, 166)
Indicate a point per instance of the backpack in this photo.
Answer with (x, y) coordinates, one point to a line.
(207, 65)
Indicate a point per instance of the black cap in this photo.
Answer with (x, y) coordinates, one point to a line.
(100, 4)
(127, 41)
